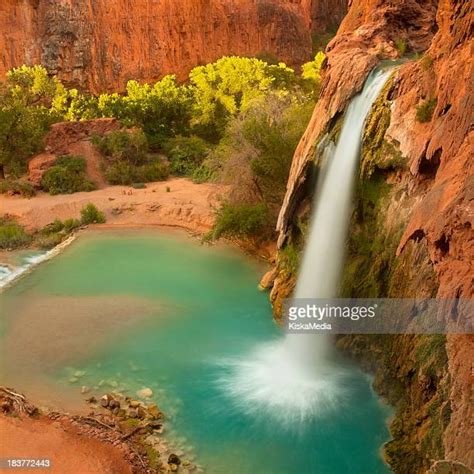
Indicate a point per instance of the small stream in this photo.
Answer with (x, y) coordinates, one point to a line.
(123, 311)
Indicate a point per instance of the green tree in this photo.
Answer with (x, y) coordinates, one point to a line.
(30, 101)
(311, 74)
(228, 86)
(258, 146)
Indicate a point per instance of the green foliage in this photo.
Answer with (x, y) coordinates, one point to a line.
(431, 352)
(54, 227)
(49, 241)
(426, 62)
(371, 252)
(186, 154)
(228, 86)
(71, 224)
(289, 259)
(12, 235)
(30, 101)
(67, 176)
(256, 152)
(240, 221)
(127, 158)
(123, 145)
(311, 74)
(206, 171)
(91, 215)
(124, 173)
(377, 152)
(401, 46)
(161, 110)
(17, 187)
(55, 232)
(424, 111)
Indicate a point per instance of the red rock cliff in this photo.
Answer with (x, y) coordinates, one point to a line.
(100, 44)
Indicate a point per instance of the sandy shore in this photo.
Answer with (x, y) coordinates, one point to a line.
(177, 202)
(68, 451)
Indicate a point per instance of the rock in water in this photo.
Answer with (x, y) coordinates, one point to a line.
(145, 393)
(174, 459)
(266, 283)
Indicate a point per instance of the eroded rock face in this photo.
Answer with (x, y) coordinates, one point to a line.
(99, 45)
(368, 33)
(72, 138)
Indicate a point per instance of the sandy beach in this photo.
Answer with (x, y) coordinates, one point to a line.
(177, 202)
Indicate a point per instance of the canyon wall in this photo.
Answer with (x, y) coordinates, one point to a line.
(100, 44)
(412, 231)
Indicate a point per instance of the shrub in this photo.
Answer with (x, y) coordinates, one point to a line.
(54, 233)
(54, 227)
(120, 173)
(91, 215)
(206, 171)
(241, 221)
(17, 187)
(256, 153)
(138, 185)
(124, 173)
(71, 224)
(49, 241)
(123, 145)
(154, 171)
(424, 111)
(12, 235)
(186, 154)
(401, 46)
(67, 176)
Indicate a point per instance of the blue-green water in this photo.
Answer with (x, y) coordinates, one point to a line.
(206, 309)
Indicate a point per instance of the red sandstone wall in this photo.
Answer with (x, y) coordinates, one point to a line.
(100, 44)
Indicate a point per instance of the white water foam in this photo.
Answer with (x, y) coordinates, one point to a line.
(293, 379)
(10, 273)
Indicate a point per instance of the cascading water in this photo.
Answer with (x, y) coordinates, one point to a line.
(293, 379)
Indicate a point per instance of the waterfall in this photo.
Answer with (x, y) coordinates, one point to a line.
(293, 379)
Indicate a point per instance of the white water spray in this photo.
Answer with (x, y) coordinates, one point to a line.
(293, 378)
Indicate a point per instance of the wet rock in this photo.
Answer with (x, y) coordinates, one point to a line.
(134, 403)
(114, 404)
(106, 400)
(133, 413)
(267, 281)
(142, 413)
(154, 411)
(174, 459)
(145, 393)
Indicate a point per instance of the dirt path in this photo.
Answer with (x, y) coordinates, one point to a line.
(177, 202)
